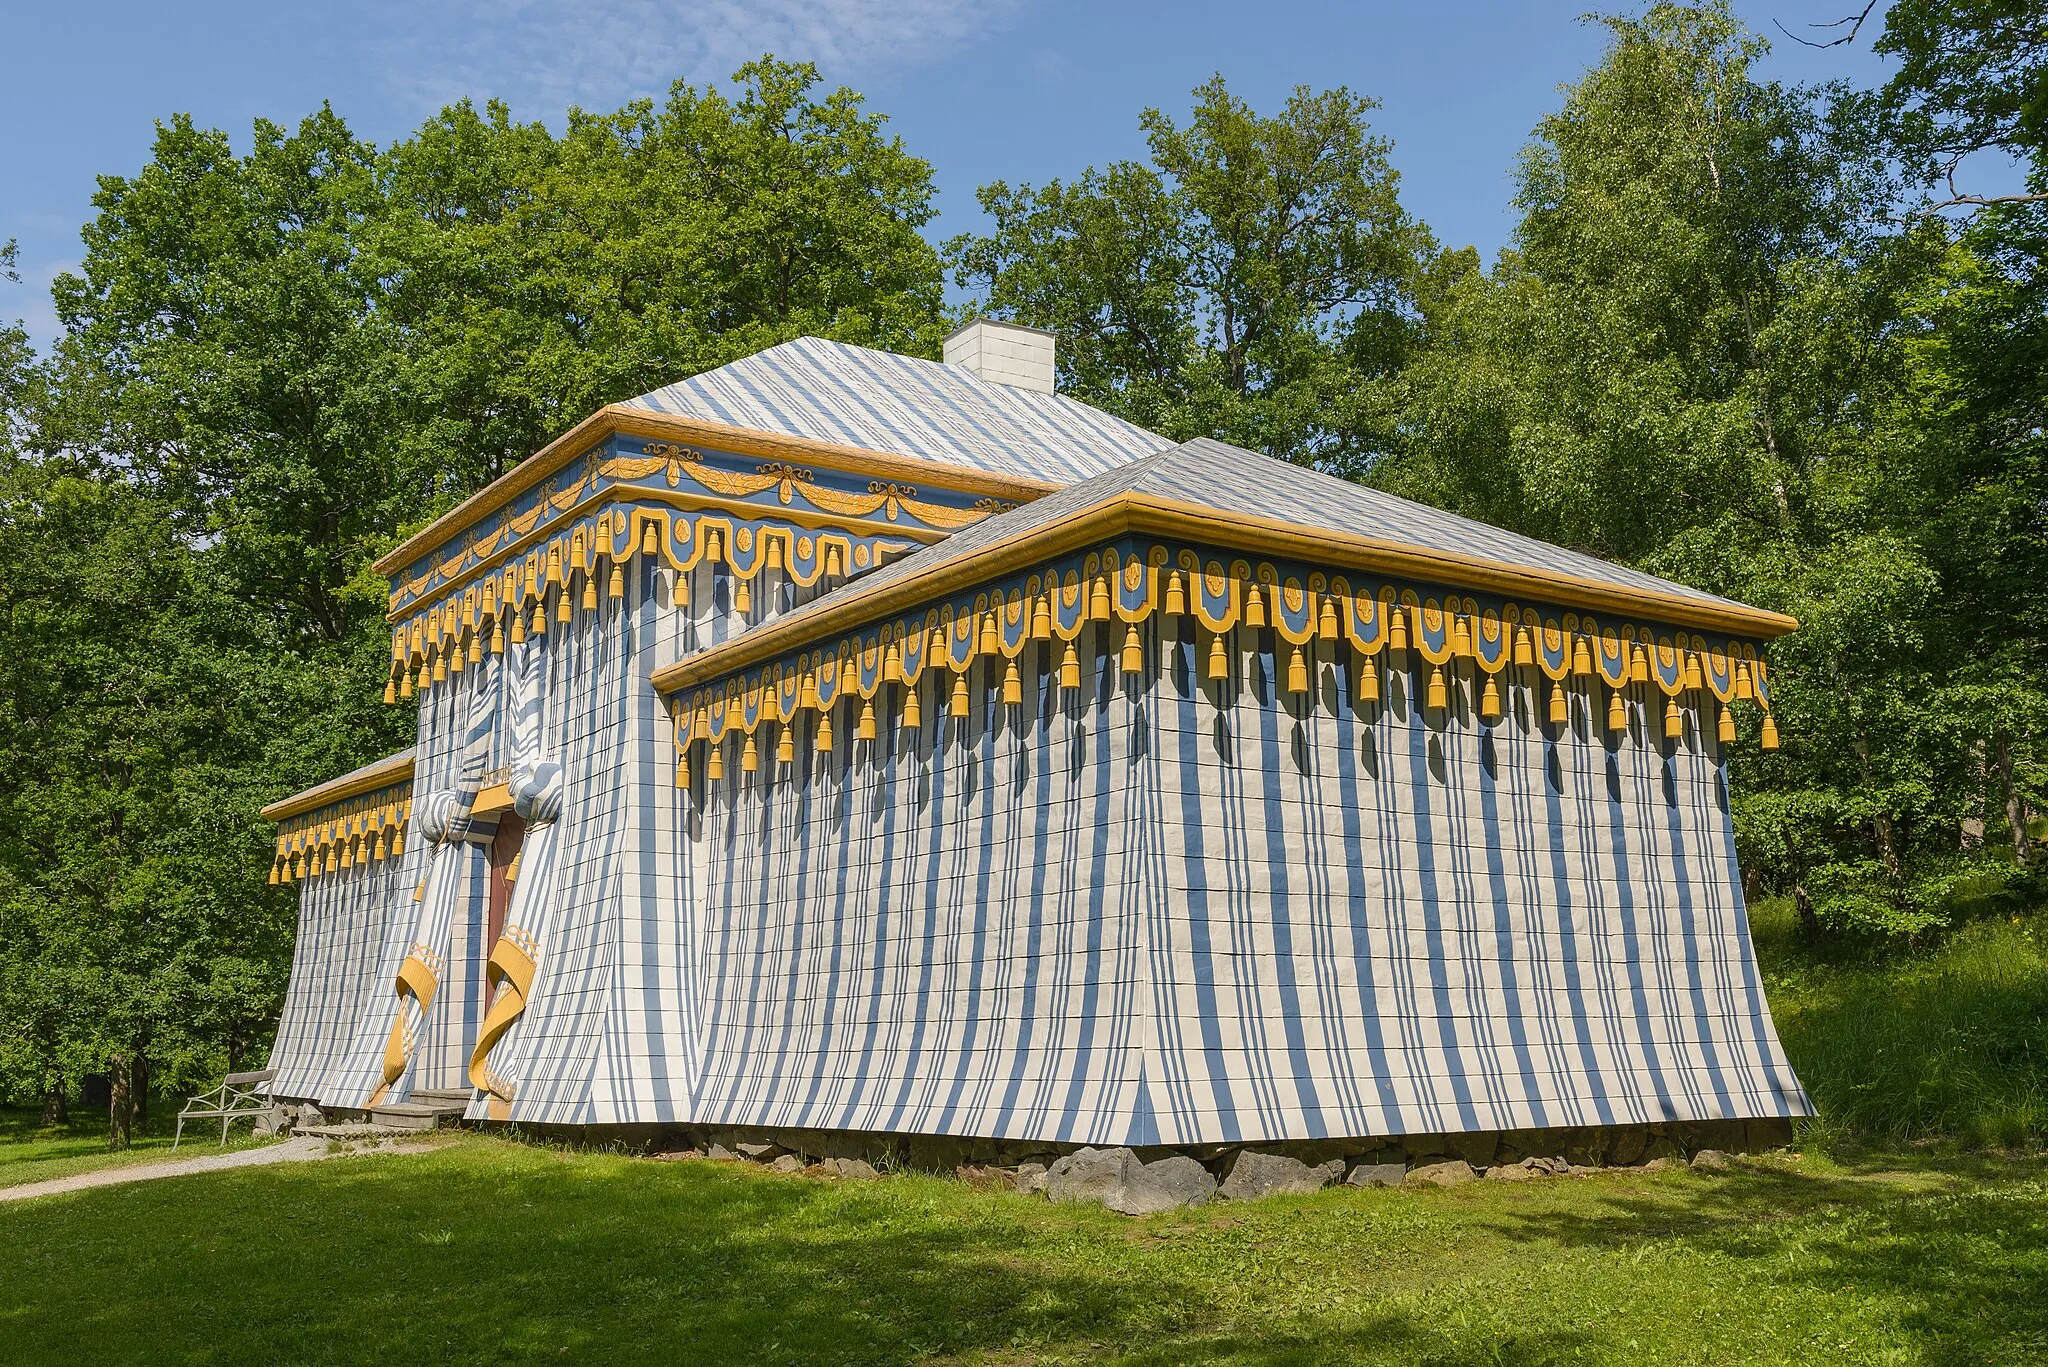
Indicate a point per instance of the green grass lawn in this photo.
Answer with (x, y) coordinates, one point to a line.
(1910, 1227)
(31, 1153)
(488, 1251)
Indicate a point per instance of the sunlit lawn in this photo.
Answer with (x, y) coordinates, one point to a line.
(488, 1251)
(30, 1153)
(1886, 1239)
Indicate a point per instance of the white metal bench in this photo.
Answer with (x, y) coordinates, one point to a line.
(239, 1095)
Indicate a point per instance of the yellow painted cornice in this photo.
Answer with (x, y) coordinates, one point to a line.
(381, 774)
(1150, 514)
(682, 502)
(622, 419)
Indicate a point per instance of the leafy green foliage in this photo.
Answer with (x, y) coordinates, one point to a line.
(274, 364)
(1242, 285)
(1704, 356)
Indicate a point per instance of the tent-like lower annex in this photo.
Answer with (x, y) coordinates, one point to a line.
(1102, 824)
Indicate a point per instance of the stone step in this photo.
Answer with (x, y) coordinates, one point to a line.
(352, 1131)
(417, 1115)
(447, 1096)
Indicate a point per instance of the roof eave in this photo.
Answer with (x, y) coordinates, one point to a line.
(1130, 511)
(354, 784)
(625, 419)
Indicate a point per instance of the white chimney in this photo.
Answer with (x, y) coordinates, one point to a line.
(1003, 353)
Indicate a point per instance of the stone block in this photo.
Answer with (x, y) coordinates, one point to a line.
(1180, 1180)
(1711, 1160)
(1377, 1175)
(787, 1162)
(1031, 1178)
(1089, 1174)
(1454, 1172)
(1116, 1179)
(1254, 1174)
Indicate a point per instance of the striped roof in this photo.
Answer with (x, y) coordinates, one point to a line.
(879, 401)
(1231, 480)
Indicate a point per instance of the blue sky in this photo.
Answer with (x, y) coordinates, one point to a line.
(1022, 90)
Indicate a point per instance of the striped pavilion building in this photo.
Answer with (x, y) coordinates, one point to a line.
(844, 743)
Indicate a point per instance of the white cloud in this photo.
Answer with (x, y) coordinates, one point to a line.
(543, 55)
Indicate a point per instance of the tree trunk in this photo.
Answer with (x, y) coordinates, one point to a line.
(2015, 808)
(120, 1111)
(1973, 824)
(1807, 921)
(54, 1113)
(1881, 831)
(139, 1089)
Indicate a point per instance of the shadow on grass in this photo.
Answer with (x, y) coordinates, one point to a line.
(488, 1252)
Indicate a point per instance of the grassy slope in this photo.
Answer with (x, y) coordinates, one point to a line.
(1898, 1048)
(487, 1251)
(1901, 1248)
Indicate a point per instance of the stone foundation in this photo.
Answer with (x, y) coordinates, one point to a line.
(1584, 1147)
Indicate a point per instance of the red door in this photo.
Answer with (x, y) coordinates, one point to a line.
(504, 855)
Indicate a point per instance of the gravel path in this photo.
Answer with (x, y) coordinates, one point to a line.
(290, 1151)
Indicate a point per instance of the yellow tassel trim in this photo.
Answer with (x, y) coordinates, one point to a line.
(1489, 701)
(913, 710)
(1219, 659)
(864, 729)
(1560, 706)
(1297, 672)
(1617, 712)
(1134, 651)
(1013, 684)
(959, 699)
(1437, 696)
(785, 745)
(615, 586)
(1176, 595)
(750, 758)
(1770, 732)
(1725, 731)
(1674, 723)
(1368, 687)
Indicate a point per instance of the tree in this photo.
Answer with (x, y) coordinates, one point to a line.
(1705, 356)
(273, 366)
(534, 279)
(1243, 284)
(1972, 77)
